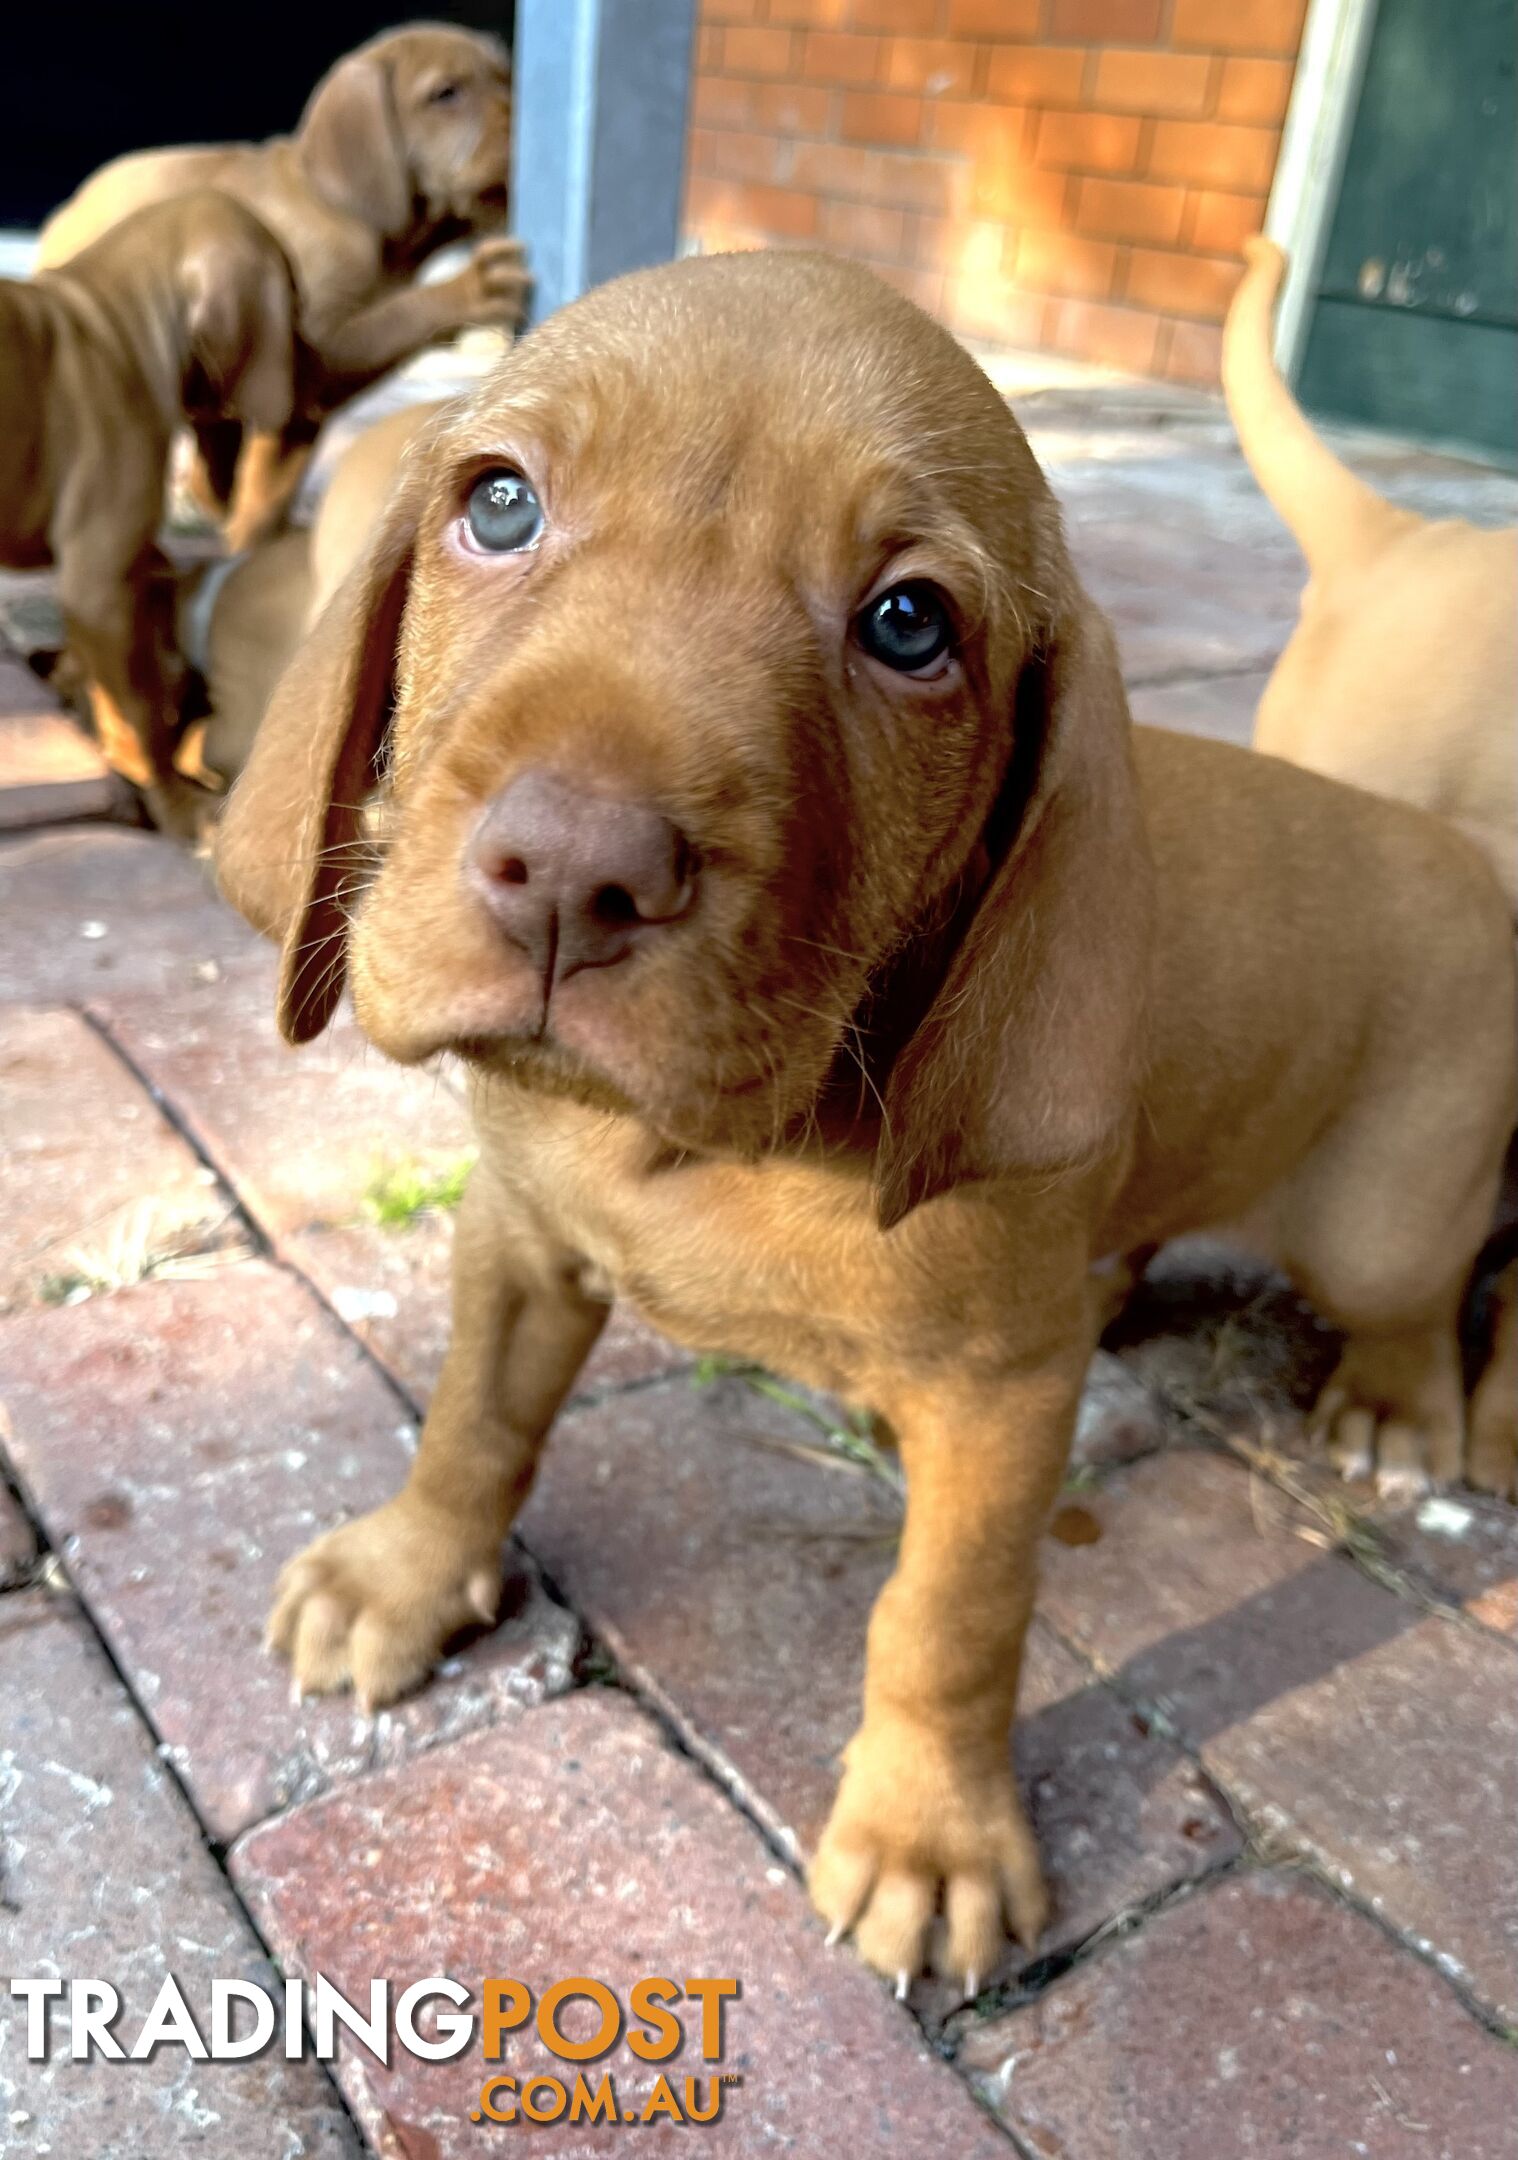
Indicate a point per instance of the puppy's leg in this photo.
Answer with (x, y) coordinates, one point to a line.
(118, 625)
(373, 1603)
(1381, 1226)
(928, 1816)
(1394, 1405)
(268, 474)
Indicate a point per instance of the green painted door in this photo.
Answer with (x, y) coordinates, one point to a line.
(1415, 326)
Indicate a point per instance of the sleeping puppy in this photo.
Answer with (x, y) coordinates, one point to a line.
(1402, 675)
(403, 147)
(840, 981)
(240, 620)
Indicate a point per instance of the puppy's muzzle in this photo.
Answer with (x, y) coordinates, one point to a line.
(575, 879)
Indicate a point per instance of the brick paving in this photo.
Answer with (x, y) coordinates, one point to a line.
(233, 1419)
(48, 771)
(1286, 1668)
(104, 1873)
(579, 1844)
(1269, 1731)
(73, 1214)
(1338, 2043)
(766, 1568)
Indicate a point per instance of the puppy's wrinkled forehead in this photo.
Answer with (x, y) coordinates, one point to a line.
(782, 383)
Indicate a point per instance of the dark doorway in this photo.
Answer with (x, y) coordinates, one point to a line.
(99, 77)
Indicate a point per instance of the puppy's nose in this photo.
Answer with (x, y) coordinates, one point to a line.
(577, 879)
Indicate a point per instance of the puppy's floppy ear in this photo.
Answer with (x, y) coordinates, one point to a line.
(240, 326)
(1026, 1060)
(290, 845)
(350, 144)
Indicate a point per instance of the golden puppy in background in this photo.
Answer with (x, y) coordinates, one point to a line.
(1402, 675)
(841, 977)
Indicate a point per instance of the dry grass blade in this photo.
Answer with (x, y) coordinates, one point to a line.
(141, 1245)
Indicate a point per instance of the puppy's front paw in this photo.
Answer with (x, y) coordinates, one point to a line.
(915, 1834)
(494, 284)
(372, 1604)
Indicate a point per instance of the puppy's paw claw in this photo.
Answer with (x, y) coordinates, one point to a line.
(910, 1837)
(484, 1594)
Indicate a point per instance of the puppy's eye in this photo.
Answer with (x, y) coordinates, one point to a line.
(444, 94)
(906, 628)
(503, 514)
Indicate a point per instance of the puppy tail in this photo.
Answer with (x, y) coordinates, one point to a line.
(1331, 513)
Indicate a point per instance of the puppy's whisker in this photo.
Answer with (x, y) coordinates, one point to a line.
(315, 944)
(840, 952)
(856, 1052)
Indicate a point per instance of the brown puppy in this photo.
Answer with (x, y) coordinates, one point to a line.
(187, 308)
(765, 829)
(403, 147)
(1402, 674)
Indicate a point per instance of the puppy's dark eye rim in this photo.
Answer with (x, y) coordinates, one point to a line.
(445, 93)
(928, 594)
(530, 501)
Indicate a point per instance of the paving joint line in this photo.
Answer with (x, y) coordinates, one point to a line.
(34, 1573)
(1491, 2020)
(99, 1026)
(1042, 1974)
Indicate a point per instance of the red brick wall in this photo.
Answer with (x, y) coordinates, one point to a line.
(1075, 174)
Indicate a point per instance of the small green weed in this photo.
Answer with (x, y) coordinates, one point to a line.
(401, 1192)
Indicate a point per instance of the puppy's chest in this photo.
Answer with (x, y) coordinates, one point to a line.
(780, 1263)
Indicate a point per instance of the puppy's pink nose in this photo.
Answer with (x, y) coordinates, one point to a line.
(576, 879)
